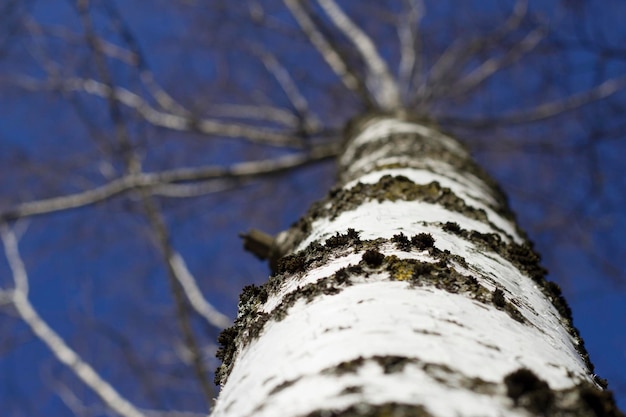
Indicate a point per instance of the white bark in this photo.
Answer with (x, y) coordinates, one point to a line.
(466, 326)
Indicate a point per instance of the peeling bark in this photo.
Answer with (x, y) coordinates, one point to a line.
(408, 291)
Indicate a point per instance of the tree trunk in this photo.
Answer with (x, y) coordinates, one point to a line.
(408, 291)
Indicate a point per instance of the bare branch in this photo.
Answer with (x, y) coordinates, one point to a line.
(453, 59)
(193, 293)
(72, 402)
(282, 76)
(378, 77)
(546, 110)
(52, 340)
(172, 413)
(324, 47)
(410, 46)
(122, 134)
(175, 267)
(493, 65)
(108, 48)
(11, 251)
(37, 51)
(187, 122)
(132, 56)
(192, 190)
(161, 96)
(6, 297)
(252, 112)
(147, 180)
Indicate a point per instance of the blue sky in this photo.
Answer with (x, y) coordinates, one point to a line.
(96, 275)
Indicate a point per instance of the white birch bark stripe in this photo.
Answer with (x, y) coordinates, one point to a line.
(380, 129)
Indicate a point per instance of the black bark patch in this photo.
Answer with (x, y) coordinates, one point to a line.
(256, 326)
(452, 227)
(423, 241)
(373, 258)
(497, 297)
(515, 314)
(522, 256)
(392, 364)
(391, 409)
(245, 328)
(346, 367)
(342, 275)
(556, 297)
(422, 269)
(603, 383)
(251, 297)
(402, 242)
(225, 353)
(530, 392)
(352, 389)
(528, 260)
(282, 386)
(600, 402)
(343, 244)
(291, 264)
(339, 240)
(389, 364)
(499, 300)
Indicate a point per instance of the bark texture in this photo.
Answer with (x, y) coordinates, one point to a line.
(408, 291)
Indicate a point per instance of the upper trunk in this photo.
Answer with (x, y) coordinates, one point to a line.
(409, 290)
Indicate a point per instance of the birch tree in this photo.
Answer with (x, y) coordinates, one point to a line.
(409, 290)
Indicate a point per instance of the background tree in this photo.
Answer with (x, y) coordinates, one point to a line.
(136, 143)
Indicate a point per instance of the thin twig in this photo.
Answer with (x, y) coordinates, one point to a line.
(254, 112)
(449, 64)
(73, 403)
(291, 89)
(178, 284)
(188, 122)
(11, 251)
(162, 97)
(489, 67)
(193, 293)
(546, 110)
(51, 339)
(378, 77)
(324, 47)
(195, 189)
(410, 66)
